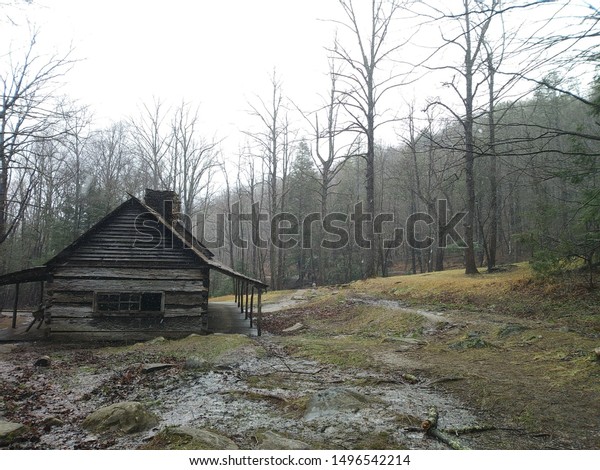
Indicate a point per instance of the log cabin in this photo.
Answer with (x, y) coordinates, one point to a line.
(137, 272)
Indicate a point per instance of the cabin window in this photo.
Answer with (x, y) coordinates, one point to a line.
(128, 302)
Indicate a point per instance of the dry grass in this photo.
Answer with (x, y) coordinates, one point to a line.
(207, 347)
(267, 297)
(343, 351)
(521, 347)
(514, 291)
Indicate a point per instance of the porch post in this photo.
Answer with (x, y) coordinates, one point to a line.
(14, 318)
(246, 306)
(259, 313)
(43, 303)
(251, 304)
(242, 284)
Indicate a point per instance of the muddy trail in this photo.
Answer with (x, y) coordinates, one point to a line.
(279, 391)
(252, 387)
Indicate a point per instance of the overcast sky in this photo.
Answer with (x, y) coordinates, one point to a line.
(213, 53)
(218, 54)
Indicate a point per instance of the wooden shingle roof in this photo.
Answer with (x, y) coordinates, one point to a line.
(136, 235)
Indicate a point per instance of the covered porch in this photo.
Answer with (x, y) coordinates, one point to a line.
(242, 316)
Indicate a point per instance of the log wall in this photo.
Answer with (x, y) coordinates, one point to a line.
(72, 294)
(128, 252)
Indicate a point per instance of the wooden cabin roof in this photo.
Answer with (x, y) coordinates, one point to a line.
(129, 236)
(132, 235)
(38, 273)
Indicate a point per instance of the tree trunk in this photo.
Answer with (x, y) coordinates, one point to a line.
(470, 263)
(370, 189)
(493, 241)
(3, 197)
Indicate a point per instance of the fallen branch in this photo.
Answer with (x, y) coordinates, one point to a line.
(473, 429)
(431, 421)
(291, 371)
(429, 425)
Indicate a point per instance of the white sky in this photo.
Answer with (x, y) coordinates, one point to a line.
(217, 54)
(213, 53)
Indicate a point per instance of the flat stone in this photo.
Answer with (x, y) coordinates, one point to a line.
(147, 368)
(9, 431)
(157, 340)
(296, 327)
(333, 401)
(269, 440)
(197, 363)
(204, 439)
(127, 417)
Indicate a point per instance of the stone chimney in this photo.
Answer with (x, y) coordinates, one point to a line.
(166, 203)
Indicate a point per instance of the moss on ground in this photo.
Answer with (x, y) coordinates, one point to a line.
(522, 348)
(344, 351)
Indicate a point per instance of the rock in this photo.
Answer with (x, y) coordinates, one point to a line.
(201, 439)
(236, 356)
(410, 378)
(10, 431)
(269, 440)
(332, 401)
(52, 422)
(597, 353)
(157, 340)
(197, 363)
(126, 417)
(147, 368)
(43, 361)
(470, 341)
(296, 327)
(511, 329)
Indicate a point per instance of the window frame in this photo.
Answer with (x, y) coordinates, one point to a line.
(121, 301)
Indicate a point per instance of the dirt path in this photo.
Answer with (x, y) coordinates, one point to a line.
(240, 386)
(526, 378)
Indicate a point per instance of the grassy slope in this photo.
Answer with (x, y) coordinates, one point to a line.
(518, 349)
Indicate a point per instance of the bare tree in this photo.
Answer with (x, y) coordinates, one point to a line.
(76, 138)
(474, 20)
(111, 168)
(152, 141)
(328, 153)
(26, 117)
(270, 141)
(364, 88)
(192, 157)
